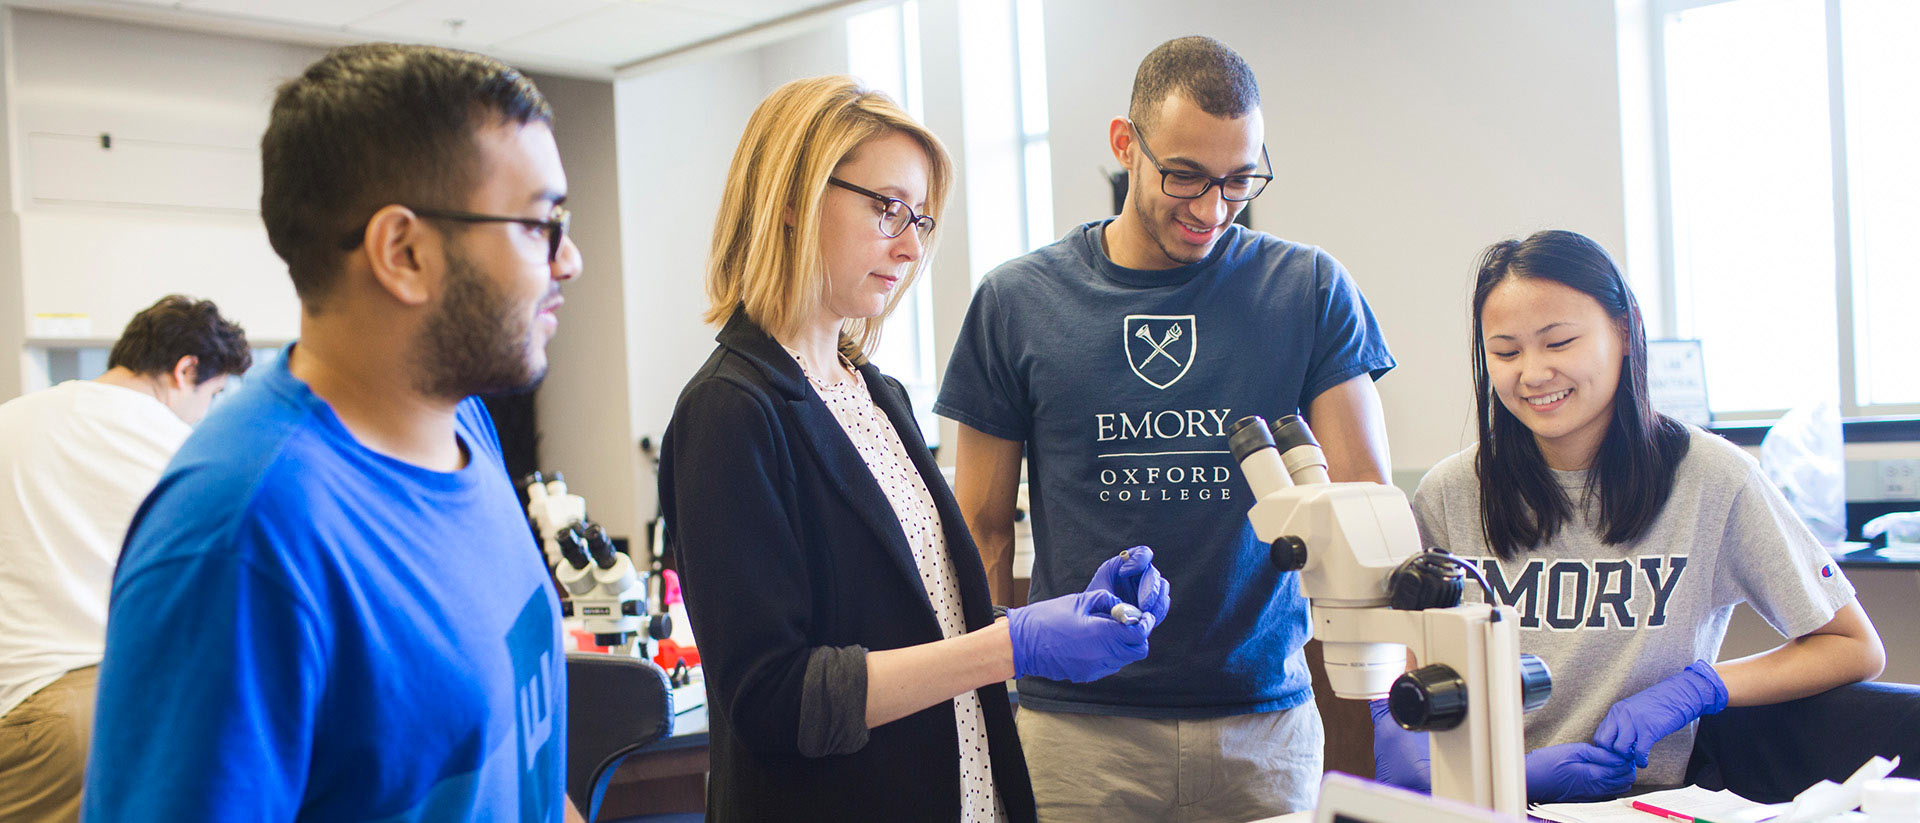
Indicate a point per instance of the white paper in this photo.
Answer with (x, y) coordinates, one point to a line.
(1689, 800)
(1827, 798)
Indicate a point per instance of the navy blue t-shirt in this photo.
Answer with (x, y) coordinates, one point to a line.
(304, 629)
(1121, 383)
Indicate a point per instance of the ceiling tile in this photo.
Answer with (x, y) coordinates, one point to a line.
(759, 11)
(484, 23)
(327, 14)
(623, 32)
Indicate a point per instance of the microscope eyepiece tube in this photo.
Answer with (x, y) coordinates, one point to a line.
(600, 546)
(1292, 430)
(1306, 463)
(1252, 446)
(573, 547)
(1248, 435)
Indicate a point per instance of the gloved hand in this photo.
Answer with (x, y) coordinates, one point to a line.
(1576, 773)
(1131, 576)
(1633, 725)
(1073, 637)
(1400, 757)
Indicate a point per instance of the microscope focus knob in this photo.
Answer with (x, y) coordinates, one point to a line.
(1428, 699)
(660, 626)
(1429, 580)
(1536, 683)
(1288, 553)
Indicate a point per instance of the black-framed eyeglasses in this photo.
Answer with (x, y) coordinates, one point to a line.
(895, 215)
(555, 225)
(1188, 185)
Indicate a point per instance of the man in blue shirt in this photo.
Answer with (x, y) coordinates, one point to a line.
(1115, 359)
(331, 608)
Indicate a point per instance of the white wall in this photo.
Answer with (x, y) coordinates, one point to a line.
(1406, 136)
(173, 205)
(677, 131)
(201, 233)
(645, 162)
(582, 408)
(952, 280)
(14, 361)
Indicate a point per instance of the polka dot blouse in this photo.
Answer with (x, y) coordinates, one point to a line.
(886, 456)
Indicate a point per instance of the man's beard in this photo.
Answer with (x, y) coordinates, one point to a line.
(1153, 228)
(473, 343)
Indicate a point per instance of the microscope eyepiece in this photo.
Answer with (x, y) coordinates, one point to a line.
(573, 546)
(1306, 463)
(1248, 435)
(1292, 431)
(600, 545)
(1252, 447)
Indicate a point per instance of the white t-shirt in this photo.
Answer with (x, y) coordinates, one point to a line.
(75, 461)
(1612, 620)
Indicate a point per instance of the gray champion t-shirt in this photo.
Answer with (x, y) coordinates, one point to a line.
(1612, 620)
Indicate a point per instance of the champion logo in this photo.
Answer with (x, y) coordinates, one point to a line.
(1159, 347)
(1826, 570)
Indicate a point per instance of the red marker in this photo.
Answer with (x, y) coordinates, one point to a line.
(1669, 814)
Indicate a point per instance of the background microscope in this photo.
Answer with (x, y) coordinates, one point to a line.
(604, 589)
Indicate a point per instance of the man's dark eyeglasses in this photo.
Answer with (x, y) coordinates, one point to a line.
(555, 226)
(1188, 185)
(896, 215)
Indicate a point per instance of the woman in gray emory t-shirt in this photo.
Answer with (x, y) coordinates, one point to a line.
(1623, 537)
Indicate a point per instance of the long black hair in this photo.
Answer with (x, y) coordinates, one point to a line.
(1521, 505)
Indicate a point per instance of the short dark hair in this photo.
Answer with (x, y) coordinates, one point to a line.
(176, 327)
(1521, 504)
(1203, 69)
(372, 125)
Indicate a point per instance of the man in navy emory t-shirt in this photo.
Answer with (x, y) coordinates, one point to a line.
(330, 608)
(1116, 358)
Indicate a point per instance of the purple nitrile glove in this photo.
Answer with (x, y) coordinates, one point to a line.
(1400, 757)
(1073, 637)
(1634, 724)
(1131, 576)
(1576, 773)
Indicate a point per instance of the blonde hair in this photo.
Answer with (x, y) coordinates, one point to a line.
(767, 258)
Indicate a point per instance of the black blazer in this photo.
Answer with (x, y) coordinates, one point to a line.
(785, 542)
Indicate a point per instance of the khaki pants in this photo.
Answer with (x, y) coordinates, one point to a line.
(43, 750)
(1089, 767)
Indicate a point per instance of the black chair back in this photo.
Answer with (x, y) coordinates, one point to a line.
(1768, 754)
(615, 705)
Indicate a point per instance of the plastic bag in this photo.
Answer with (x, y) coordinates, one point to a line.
(1803, 454)
(1899, 527)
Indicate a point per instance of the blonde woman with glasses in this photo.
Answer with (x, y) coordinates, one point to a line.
(855, 665)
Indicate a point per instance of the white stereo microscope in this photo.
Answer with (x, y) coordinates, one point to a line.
(1375, 594)
(603, 587)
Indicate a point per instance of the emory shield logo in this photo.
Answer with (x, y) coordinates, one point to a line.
(1160, 347)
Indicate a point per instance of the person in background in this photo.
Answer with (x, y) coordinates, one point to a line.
(1623, 537)
(331, 608)
(75, 460)
(854, 664)
(1114, 360)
